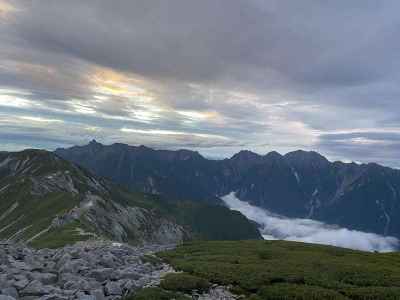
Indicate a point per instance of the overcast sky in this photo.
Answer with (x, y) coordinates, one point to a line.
(212, 75)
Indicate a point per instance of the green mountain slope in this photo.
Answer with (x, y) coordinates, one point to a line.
(47, 201)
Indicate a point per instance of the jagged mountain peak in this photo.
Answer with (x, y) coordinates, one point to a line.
(183, 154)
(246, 155)
(273, 155)
(306, 158)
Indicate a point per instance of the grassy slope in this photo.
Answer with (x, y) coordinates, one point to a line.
(33, 213)
(289, 270)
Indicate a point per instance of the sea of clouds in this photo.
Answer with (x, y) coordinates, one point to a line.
(310, 231)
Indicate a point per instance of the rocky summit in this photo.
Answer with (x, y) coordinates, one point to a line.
(86, 271)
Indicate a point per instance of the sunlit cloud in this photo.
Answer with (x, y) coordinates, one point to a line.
(106, 81)
(14, 101)
(40, 119)
(6, 9)
(82, 107)
(162, 132)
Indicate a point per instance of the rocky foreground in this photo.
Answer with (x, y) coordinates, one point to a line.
(85, 271)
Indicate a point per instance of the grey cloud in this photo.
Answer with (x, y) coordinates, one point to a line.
(363, 147)
(336, 64)
(332, 44)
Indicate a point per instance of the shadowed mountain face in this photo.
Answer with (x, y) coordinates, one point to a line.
(299, 184)
(45, 200)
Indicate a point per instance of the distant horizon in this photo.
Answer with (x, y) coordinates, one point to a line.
(204, 154)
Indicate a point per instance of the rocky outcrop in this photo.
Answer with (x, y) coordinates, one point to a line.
(85, 271)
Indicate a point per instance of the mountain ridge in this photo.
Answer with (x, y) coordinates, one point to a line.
(44, 199)
(298, 184)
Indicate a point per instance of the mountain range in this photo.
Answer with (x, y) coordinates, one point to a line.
(299, 184)
(48, 201)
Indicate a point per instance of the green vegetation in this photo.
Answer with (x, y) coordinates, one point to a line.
(209, 222)
(29, 214)
(183, 282)
(290, 270)
(151, 259)
(173, 286)
(66, 235)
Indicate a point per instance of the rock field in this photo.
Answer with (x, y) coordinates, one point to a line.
(85, 271)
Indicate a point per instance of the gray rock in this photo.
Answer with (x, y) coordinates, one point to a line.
(3, 281)
(101, 274)
(109, 261)
(80, 284)
(49, 266)
(6, 297)
(98, 294)
(64, 259)
(54, 297)
(88, 270)
(20, 284)
(45, 278)
(10, 291)
(73, 266)
(112, 288)
(35, 288)
(82, 296)
(128, 273)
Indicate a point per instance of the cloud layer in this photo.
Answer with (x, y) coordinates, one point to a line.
(216, 76)
(310, 231)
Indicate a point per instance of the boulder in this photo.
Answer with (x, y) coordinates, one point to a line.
(98, 294)
(101, 274)
(6, 297)
(10, 291)
(20, 284)
(112, 288)
(35, 288)
(45, 278)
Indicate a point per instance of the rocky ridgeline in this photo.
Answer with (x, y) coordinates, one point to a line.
(85, 271)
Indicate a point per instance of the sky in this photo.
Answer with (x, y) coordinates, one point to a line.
(215, 76)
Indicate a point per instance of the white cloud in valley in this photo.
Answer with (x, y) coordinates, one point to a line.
(273, 226)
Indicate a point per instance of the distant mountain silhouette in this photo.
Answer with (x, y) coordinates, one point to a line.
(299, 184)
